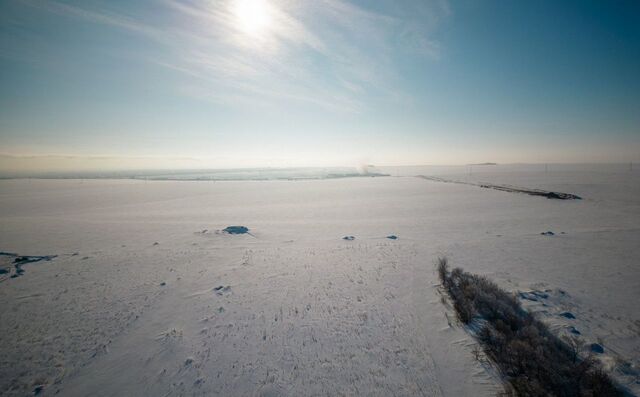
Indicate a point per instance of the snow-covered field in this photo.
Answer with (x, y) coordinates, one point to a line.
(132, 303)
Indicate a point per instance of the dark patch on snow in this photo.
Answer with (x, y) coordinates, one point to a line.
(568, 315)
(236, 230)
(574, 330)
(597, 348)
(14, 268)
(548, 233)
(221, 289)
(534, 295)
(392, 237)
(528, 296)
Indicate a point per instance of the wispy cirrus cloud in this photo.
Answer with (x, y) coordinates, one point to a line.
(328, 53)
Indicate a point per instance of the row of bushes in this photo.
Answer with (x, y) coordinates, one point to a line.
(533, 360)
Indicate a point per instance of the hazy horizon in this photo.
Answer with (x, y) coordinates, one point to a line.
(196, 169)
(98, 85)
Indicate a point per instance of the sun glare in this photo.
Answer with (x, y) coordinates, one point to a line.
(253, 16)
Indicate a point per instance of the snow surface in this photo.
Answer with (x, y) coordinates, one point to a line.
(302, 311)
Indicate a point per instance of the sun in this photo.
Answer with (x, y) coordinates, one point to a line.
(253, 17)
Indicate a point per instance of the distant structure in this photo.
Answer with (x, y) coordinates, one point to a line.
(367, 170)
(480, 164)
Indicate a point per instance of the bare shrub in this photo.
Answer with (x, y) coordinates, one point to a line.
(534, 361)
(443, 269)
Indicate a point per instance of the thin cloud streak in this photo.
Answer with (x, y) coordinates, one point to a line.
(339, 71)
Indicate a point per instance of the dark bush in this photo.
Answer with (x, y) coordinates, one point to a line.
(534, 361)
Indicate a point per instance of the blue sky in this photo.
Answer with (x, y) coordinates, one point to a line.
(233, 83)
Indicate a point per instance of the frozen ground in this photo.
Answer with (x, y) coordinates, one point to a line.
(131, 305)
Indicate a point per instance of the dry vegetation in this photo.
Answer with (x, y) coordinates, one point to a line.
(533, 360)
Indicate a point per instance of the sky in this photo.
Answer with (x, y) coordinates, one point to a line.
(273, 83)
